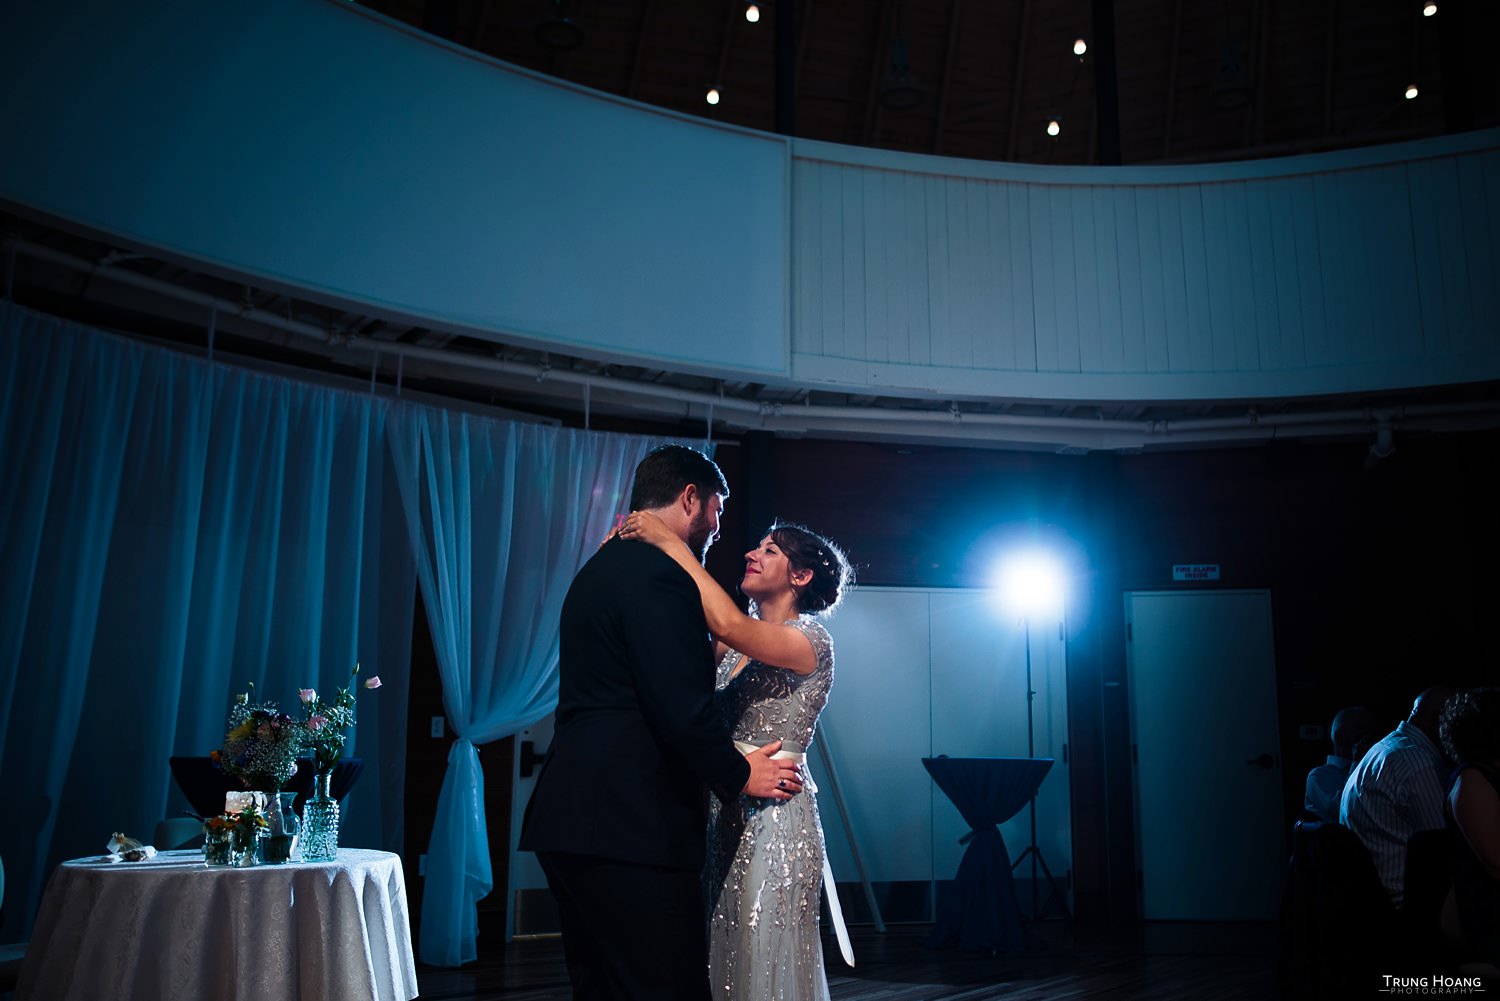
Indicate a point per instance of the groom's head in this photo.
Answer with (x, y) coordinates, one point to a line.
(685, 489)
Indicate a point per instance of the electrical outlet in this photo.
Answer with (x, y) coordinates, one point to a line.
(438, 726)
(422, 864)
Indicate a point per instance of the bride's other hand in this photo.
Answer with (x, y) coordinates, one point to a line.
(647, 527)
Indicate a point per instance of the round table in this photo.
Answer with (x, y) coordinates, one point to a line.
(173, 929)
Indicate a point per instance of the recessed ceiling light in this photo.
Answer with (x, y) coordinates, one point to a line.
(1053, 127)
(1411, 92)
(1080, 47)
(752, 13)
(712, 97)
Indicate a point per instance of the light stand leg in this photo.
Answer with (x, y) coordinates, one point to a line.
(826, 747)
(1032, 849)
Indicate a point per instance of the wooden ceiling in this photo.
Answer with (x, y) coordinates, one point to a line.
(1194, 80)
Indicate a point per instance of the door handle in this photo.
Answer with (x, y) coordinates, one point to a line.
(1264, 761)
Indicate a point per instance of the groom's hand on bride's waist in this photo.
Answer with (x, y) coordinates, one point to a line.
(772, 778)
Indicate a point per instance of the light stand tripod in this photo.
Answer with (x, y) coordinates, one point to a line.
(1032, 850)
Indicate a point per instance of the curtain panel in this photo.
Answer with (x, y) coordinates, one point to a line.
(175, 528)
(500, 517)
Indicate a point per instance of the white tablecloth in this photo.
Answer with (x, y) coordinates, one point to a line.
(172, 929)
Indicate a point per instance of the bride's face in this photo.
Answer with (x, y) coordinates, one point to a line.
(767, 571)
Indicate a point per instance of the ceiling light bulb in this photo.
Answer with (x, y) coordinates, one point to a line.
(713, 95)
(752, 13)
(1080, 47)
(1411, 92)
(1429, 8)
(1054, 127)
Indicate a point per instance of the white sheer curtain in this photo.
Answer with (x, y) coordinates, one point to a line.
(173, 529)
(501, 515)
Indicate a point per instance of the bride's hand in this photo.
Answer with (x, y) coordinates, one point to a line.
(619, 520)
(647, 527)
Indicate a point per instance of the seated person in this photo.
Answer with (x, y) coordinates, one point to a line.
(1325, 783)
(1470, 730)
(1396, 790)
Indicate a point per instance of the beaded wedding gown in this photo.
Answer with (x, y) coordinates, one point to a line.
(765, 857)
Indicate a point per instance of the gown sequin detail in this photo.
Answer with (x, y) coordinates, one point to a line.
(765, 857)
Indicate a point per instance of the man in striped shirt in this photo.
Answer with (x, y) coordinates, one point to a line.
(1397, 790)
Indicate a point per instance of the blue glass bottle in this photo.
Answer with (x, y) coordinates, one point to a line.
(320, 822)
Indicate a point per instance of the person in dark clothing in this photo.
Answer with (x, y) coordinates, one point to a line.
(1470, 730)
(618, 815)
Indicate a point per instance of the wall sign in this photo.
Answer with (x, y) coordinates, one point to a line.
(1195, 571)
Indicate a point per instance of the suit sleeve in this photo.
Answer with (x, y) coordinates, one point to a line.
(670, 653)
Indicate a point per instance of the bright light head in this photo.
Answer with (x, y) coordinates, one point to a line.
(1031, 585)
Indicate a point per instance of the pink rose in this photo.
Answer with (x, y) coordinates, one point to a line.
(307, 695)
(373, 682)
(317, 723)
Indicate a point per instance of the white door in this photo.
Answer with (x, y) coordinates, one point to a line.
(1202, 670)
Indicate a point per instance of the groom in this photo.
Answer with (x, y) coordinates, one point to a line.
(618, 815)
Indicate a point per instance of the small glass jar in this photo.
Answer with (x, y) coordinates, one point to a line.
(215, 845)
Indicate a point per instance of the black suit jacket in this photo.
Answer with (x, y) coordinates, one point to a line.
(636, 740)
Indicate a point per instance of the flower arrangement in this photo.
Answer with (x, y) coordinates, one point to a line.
(326, 724)
(262, 744)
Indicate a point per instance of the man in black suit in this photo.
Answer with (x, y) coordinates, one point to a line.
(618, 816)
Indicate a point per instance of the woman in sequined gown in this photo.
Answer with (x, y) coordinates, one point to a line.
(765, 858)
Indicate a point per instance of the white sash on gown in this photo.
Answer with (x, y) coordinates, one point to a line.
(836, 912)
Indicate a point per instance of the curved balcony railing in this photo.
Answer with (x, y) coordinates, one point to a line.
(315, 146)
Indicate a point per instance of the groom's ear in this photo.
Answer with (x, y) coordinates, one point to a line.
(688, 498)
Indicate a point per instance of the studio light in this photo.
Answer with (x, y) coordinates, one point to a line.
(1411, 92)
(1429, 8)
(712, 97)
(1030, 584)
(1080, 47)
(752, 13)
(1054, 126)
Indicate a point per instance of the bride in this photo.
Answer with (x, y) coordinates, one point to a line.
(766, 857)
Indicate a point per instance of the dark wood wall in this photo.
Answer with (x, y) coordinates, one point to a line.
(1381, 578)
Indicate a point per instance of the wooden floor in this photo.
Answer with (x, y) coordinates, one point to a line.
(1163, 962)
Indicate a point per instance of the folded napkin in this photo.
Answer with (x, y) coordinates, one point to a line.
(123, 849)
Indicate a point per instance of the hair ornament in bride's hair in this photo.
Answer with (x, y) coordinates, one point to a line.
(807, 550)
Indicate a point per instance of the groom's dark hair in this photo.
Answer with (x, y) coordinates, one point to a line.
(667, 469)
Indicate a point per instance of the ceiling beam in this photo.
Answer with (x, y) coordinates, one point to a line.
(1173, 59)
(730, 9)
(1330, 57)
(634, 82)
(1018, 80)
(877, 71)
(940, 118)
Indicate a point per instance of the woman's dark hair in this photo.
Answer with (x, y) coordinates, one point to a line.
(1470, 726)
(667, 469)
(807, 550)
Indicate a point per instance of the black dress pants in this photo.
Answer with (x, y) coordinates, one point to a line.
(630, 932)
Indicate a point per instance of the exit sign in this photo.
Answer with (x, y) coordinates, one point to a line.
(1195, 571)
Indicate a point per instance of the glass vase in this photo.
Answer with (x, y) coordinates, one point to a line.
(282, 834)
(244, 848)
(320, 822)
(216, 843)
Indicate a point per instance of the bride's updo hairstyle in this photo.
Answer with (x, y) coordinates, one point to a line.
(807, 550)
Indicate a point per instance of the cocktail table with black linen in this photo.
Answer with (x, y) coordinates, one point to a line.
(981, 912)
